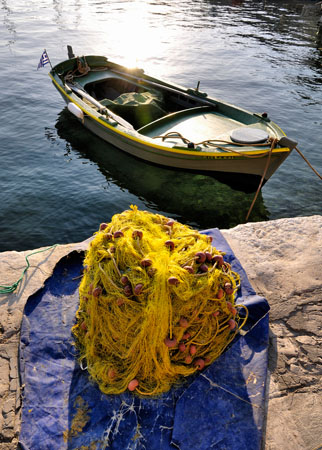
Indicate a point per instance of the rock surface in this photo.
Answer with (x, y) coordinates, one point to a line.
(283, 261)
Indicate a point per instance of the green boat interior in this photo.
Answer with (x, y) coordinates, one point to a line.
(159, 112)
(155, 108)
(138, 104)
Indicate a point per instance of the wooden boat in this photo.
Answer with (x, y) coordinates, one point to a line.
(167, 124)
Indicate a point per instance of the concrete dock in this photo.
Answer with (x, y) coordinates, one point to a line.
(283, 261)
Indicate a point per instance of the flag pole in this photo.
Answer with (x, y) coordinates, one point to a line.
(48, 59)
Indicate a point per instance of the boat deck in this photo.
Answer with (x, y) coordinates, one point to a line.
(196, 125)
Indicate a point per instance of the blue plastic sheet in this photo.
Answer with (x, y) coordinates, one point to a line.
(220, 408)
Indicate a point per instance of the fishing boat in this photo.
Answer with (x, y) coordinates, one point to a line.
(167, 124)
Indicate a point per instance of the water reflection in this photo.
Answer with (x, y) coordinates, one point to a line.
(196, 199)
(9, 24)
(63, 15)
(261, 20)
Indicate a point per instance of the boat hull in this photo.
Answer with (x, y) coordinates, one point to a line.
(181, 159)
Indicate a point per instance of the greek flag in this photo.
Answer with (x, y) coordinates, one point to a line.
(44, 59)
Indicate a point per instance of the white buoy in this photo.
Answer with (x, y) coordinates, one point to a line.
(74, 109)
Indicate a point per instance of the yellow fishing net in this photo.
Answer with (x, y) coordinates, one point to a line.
(156, 304)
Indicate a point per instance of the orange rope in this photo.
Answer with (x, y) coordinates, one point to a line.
(212, 142)
(274, 142)
(307, 162)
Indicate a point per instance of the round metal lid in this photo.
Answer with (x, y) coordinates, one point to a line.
(246, 135)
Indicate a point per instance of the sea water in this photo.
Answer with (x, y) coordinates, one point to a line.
(58, 182)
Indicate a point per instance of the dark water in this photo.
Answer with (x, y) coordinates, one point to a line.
(58, 182)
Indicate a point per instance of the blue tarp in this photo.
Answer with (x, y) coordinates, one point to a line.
(223, 407)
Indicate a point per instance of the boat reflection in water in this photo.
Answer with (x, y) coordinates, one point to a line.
(196, 199)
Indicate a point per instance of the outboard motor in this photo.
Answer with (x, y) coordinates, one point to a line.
(70, 52)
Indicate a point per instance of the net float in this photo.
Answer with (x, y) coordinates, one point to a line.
(169, 244)
(183, 322)
(200, 257)
(220, 293)
(118, 234)
(182, 347)
(128, 290)
(146, 262)
(199, 363)
(208, 256)
(137, 234)
(192, 350)
(173, 281)
(219, 259)
(138, 289)
(228, 288)
(133, 385)
(170, 342)
(97, 291)
(203, 268)
(124, 280)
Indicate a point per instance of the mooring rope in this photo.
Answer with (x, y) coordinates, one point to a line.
(274, 142)
(11, 288)
(212, 142)
(308, 163)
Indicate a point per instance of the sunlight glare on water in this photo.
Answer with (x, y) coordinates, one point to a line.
(131, 34)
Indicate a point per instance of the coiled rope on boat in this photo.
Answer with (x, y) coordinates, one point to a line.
(156, 304)
(216, 143)
(82, 69)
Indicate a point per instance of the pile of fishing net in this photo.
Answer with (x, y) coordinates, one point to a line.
(156, 304)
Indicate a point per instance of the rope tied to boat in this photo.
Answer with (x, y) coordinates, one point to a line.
(308, 163)
(264, 173)
(273, 144)
(157, 303)
(215, 142)
(82, 69)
